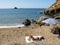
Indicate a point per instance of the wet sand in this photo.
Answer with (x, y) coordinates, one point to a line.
(16, 36)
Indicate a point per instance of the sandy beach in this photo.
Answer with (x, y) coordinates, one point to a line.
(16, 36)
(39, 18)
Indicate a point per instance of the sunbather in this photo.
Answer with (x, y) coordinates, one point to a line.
(37, 38)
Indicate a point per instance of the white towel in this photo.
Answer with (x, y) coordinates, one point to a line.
(30, 41)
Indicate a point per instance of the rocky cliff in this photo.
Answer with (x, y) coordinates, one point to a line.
(54, 9)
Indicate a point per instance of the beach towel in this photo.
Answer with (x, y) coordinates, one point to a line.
(30, 41)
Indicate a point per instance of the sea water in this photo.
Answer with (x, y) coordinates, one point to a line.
(14, 17)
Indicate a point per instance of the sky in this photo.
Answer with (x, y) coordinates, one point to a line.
(26, 3)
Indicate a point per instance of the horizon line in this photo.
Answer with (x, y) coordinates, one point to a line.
(18, 8)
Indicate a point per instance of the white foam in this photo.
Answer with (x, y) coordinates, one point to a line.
(15, 26)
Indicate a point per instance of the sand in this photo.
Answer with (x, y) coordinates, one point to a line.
(16, 36)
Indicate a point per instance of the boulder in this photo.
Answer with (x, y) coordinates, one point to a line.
(41, 12)
(57, 18)
(33, 21)
(27, 22)
(41, 19)
(55, 29)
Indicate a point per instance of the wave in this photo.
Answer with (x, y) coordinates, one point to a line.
(14, 26)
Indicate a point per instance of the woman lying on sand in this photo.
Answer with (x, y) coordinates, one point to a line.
(33, 38)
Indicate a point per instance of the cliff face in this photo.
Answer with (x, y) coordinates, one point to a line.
(53, 10)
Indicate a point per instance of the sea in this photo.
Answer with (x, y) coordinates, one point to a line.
(15, 17)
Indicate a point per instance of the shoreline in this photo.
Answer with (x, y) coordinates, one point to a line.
(13, 26)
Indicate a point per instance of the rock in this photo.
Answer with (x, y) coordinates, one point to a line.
(33, 21)
(41, 12)
(53, 9)
(57, 18)
(15, 8)
(27, 22)
(55, 29)
(41, 19)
